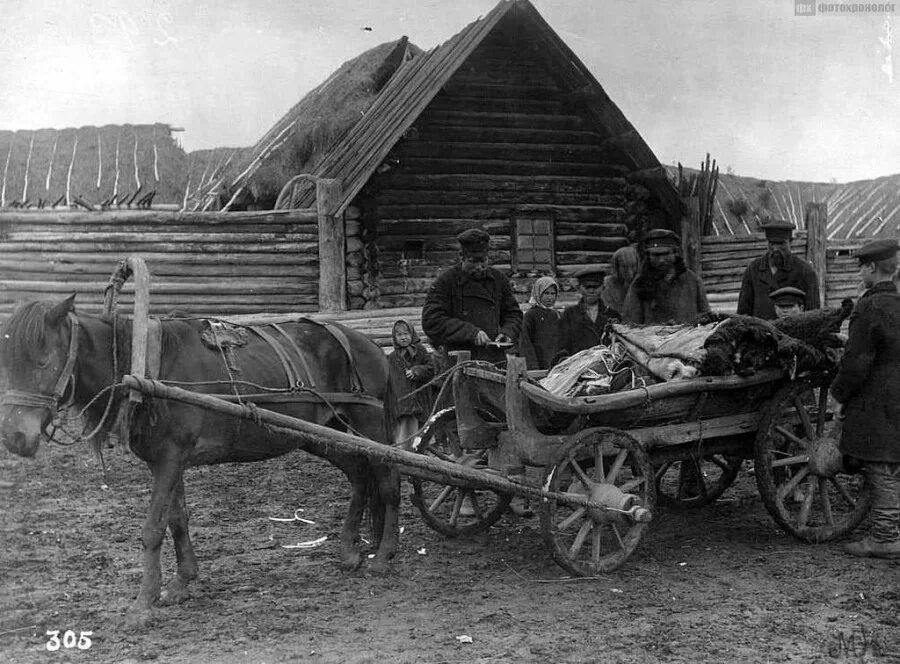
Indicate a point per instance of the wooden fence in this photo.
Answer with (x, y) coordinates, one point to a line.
(201, 263)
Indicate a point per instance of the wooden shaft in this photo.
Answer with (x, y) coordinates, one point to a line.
(409, 463)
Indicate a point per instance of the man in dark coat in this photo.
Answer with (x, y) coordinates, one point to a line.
(471, 306)
(581, 325)
(664, 291)
(774, 270)
(867, 392)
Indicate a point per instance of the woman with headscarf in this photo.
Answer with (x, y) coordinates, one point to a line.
(540, 326)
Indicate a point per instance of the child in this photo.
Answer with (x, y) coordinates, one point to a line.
(538, 340)
(411, 368)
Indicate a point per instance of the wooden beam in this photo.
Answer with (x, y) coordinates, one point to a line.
(816, 217)
(332, 249)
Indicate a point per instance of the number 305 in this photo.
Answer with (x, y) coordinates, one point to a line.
(69, 639)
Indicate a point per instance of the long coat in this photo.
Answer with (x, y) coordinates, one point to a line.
(539, 339)
(457, 306)
(684, 302)
(578, 332)
(868, 381)
(758, 282)
(420, 363)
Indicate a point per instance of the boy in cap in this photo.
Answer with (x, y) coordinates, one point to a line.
(581, 325)
(788, 301)
(867, 392)
(774, 270)
(664, 291)
(472, 304)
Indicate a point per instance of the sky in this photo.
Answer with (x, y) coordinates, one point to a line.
(768, 93)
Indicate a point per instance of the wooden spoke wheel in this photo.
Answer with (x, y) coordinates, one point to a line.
(596, 463)
(799, 471)
(696, 481)
(449, 509)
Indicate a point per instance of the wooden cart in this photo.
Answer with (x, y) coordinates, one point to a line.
(680, 443)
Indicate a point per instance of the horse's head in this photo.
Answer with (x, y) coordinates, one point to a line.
(36, 362)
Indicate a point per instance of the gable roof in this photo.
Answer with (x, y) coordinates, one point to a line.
(359, 153)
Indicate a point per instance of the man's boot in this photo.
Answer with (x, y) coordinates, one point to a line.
(868, 547)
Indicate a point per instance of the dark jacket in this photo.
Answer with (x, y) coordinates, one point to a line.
(418, 360)
(759, 281)
(578, 332)
(683, 302)
(539, 339)
(868, 381)
(457, 306)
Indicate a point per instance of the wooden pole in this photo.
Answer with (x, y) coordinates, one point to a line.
(409, 463)
(816, 216)
(691, 248)
(332, 248)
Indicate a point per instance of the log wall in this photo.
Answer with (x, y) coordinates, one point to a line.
(200, 263)
(500, 142)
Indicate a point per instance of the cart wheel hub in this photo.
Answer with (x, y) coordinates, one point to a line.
(611, 496)
(825, 458)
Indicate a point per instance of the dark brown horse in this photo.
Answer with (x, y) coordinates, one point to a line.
(51, 357)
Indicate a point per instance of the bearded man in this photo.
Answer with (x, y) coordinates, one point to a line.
(664, 291)
(775, 270)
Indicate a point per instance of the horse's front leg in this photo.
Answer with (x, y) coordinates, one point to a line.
(167, 471)
(388, 482)
(176, 590)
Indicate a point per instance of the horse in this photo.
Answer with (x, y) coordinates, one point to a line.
(53, 357)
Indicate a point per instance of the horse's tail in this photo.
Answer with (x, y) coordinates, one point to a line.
(379, 472)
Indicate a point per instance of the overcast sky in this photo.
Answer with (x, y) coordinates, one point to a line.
(768, 93)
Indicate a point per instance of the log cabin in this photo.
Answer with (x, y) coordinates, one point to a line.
(502, 128)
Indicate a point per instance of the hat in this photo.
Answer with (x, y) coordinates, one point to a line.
(877, 250)
(474, 241)
(788, 295)
(590, 275)
(660, 240)
(778, 230)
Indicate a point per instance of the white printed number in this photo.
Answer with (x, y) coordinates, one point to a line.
(82, 640)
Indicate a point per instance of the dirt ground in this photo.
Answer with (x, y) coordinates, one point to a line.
(717, 584)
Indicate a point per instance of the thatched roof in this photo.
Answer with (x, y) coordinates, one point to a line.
(363, 148)
(298, 140)
(36, 165)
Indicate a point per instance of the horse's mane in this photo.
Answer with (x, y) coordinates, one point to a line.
(24, 332)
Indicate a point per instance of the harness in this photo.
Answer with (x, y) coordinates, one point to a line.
(50, 402)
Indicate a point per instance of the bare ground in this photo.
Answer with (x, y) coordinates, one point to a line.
(716, 584)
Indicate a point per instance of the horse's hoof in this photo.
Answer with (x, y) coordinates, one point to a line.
(137, 619)
(351, 562)
(379, 566)
(174, 594)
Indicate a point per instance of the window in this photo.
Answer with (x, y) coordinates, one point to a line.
(533, 247)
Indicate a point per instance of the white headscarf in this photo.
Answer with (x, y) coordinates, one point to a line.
(541, 285)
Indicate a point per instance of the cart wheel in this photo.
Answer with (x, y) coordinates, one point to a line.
(694, 482)
(453, 510)
(606, 465)
(798, 469)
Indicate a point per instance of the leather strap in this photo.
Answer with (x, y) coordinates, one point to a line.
(310, 381)
(279, 351)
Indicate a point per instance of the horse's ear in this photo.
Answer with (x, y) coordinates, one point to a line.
(60, 310)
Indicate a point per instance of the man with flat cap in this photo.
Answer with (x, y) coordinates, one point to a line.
(471, 306)
(788, 301)
(774, 270)
(581, 324)
(867, 392)
(664, 291)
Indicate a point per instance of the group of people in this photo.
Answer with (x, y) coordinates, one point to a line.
(471, 306)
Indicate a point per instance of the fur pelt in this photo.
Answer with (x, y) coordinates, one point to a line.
(798, 344)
